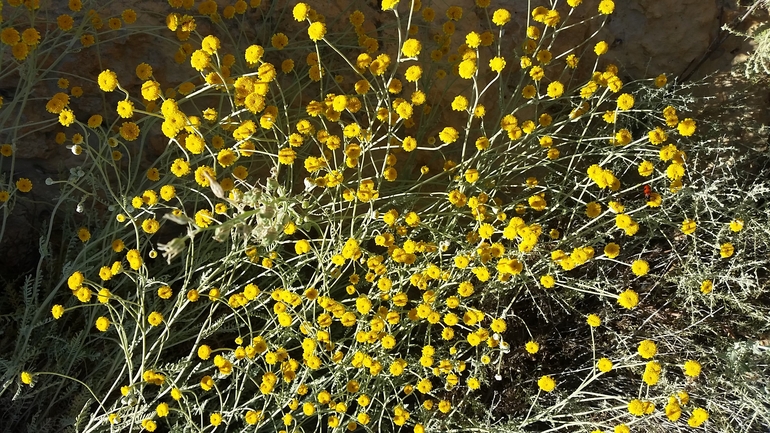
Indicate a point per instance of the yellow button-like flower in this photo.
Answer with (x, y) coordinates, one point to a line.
(692, 368)
(411, 48)
(316, 31)
(155, 318)
(26, 378)
(628, 299)
(726, 250)
(604, 365)
(640, 267)
(555, 89)
(647, 349)
(501, 17)
(593, 320)
(606, 7)
(108, 80)
(546, 383)
(102, 324)
(547, 281)
(625, 101)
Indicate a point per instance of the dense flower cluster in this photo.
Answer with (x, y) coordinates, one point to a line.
(336, 254)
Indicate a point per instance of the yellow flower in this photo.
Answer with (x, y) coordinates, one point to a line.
(593, 320)
(162, 410)
(26, 378)
(66, 117)
(165, 292)
(612, 250)
(623, 137)
(726, 250)
(129, 131)
(460, 103)
(529, 91)
(424, 386)
(150, 225)
(203, 218)
(302, 246)
(652, 373)
(83, 234)
(547, 281)
(389, 4)
(625, 101)
(601, 47)
(675, 171)
(411, 48)
(553, 153)
(537, 73)
(200, 60)
(604, 365)
(660, 80)
(24, 185)
(532, 347)
(471, 175)
(655, 200)
(736, 225)
(673, 409)
(546, 383)
(467, 69)
(473, 40)
(144, 71)
(125, 109)
(640, 267)
(102, 324)
(501, 17)
(606, 7)
(286, 156)
(692, 368)
(593, 209)
(647, 349)
(448, 135)
(57, 311)
(686, 127)
(628, 299)
(555, 89)
(496, 64)
(537, 202)
(316, 31)
(10, 36)
(108, 80)
(706, 287)
(155, 318)
(657, 136)
(698, 417)
(688, 226)
(636, 407)
(215, 419)
(6, 150)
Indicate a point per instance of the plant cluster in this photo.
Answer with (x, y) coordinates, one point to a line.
(370, 223)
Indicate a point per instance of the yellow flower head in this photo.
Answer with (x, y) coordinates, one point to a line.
(628, 299)
(726, 250)
(640, 267)
(593, 320)
(692, 368)
(316, 31)
(647, 349)
(546, 383)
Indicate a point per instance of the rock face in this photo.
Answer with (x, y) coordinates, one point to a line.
(653, 37)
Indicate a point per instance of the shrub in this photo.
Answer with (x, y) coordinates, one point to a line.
(337, 234)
